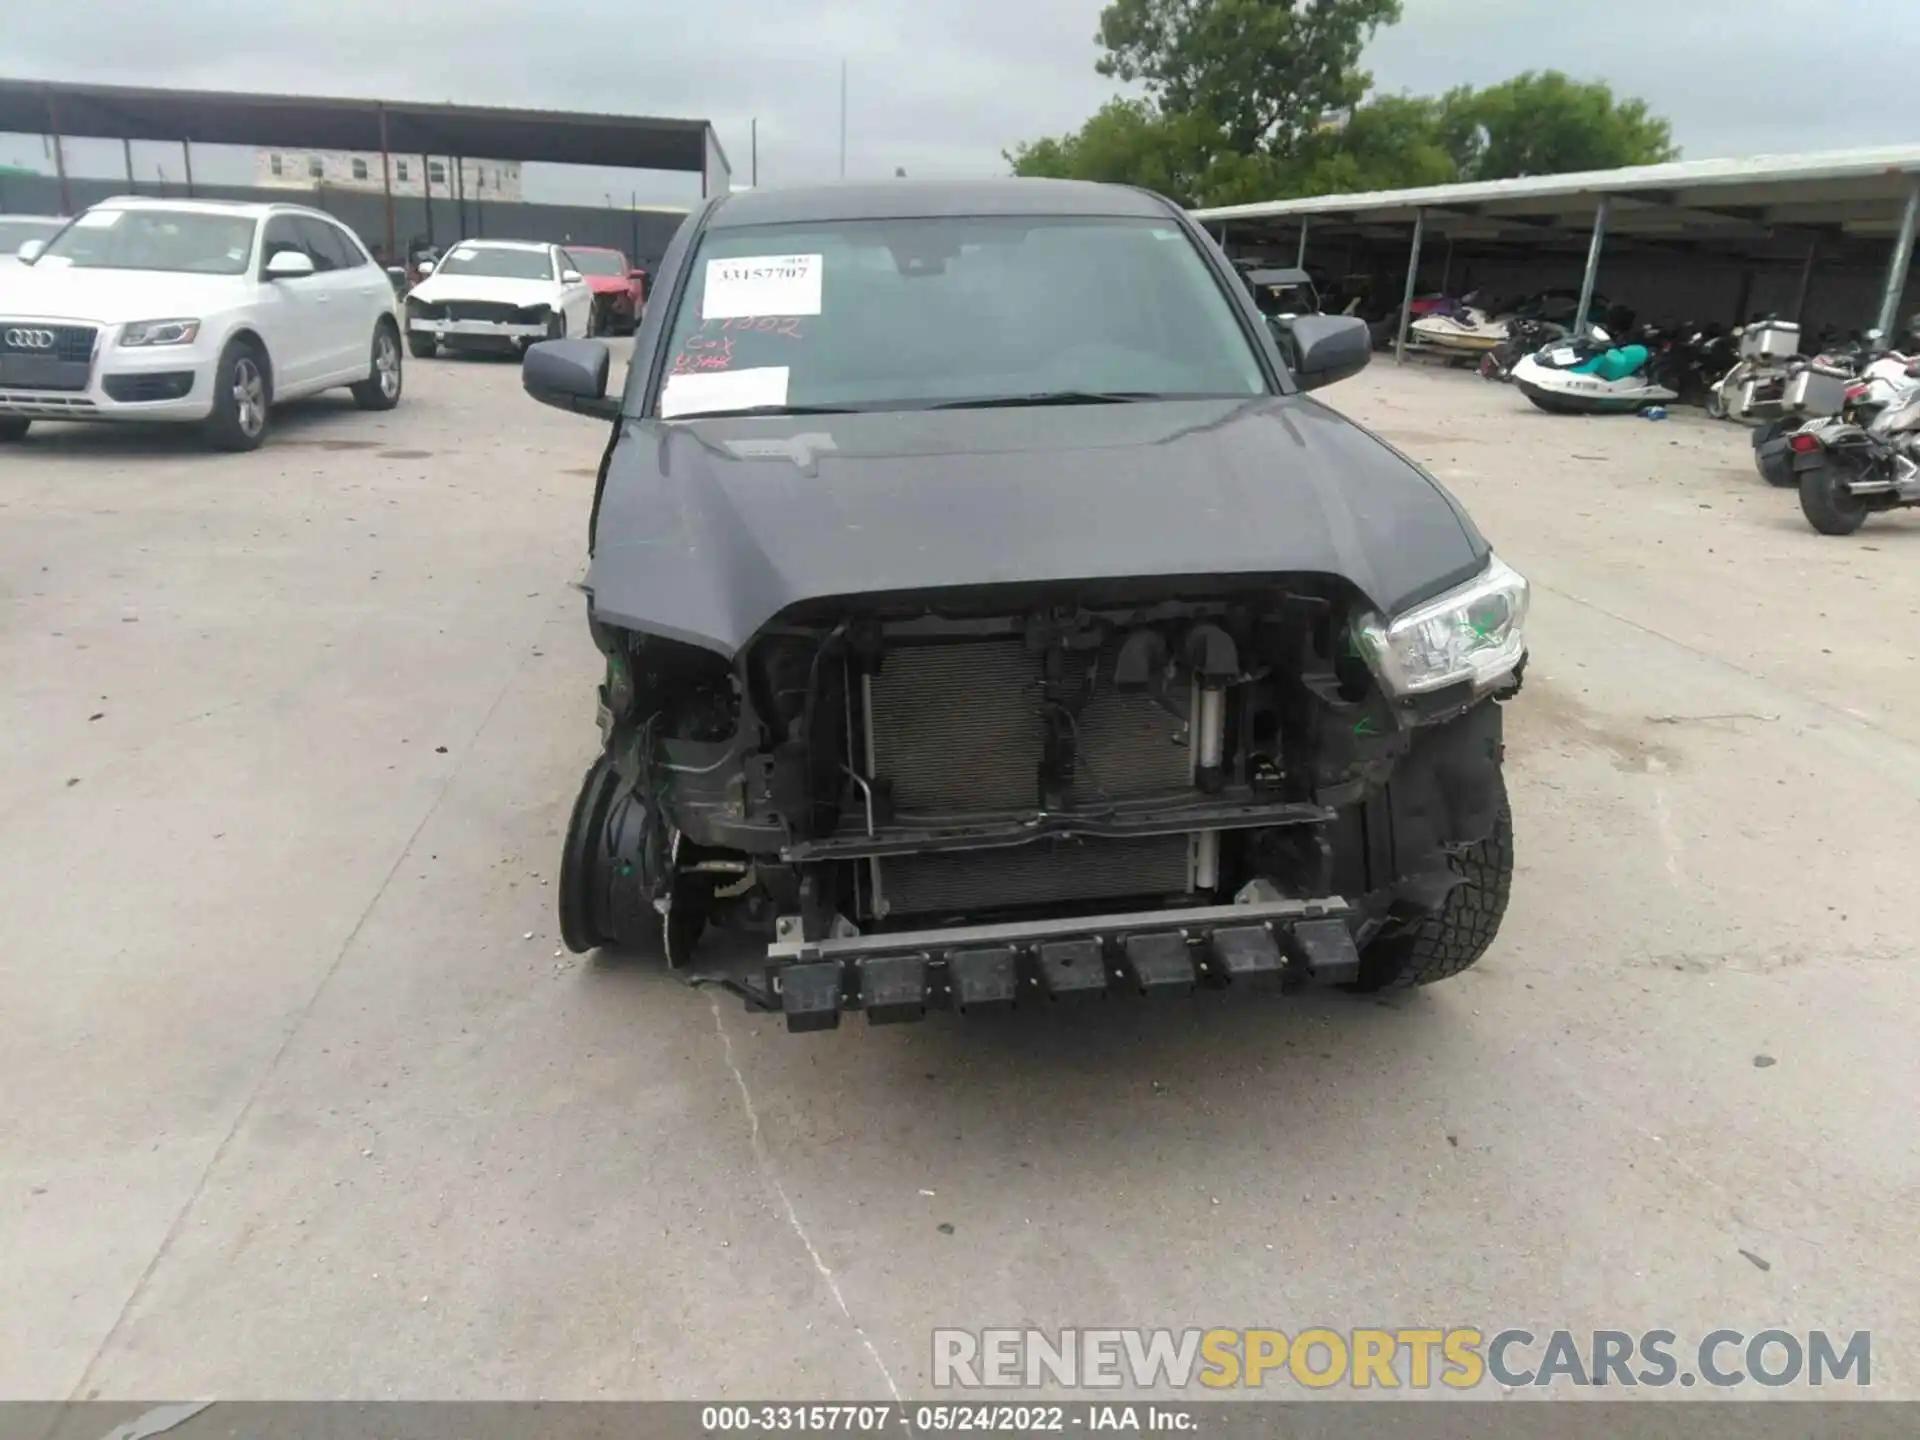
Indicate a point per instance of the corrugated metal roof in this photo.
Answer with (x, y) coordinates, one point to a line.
(1846, 184)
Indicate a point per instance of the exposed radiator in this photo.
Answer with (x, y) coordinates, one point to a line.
(958, 728)
(1035, 874)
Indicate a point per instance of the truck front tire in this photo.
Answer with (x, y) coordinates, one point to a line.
(1456, 935)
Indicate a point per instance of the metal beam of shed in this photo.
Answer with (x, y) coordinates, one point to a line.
(1406, 300)
(1582, 316)
(124, 112)
(1901, 262)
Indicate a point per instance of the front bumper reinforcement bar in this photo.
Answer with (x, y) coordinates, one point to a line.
(977, 968)
(907, 838)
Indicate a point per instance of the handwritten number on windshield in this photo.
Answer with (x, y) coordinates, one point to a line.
(763, 324)
(711, 346)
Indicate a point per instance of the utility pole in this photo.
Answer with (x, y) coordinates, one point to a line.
(843, 119)
(753, 154)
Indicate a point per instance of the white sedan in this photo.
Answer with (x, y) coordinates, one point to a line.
(491, 294)
(202, 311)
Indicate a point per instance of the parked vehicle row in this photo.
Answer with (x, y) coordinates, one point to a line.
(201, 312)
(212, 312)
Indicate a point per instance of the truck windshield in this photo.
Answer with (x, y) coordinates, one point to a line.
(908, 314)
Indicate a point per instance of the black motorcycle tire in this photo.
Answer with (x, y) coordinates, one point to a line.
(1827, 504)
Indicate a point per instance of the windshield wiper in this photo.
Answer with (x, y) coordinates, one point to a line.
(765, 410)
(1049, 397)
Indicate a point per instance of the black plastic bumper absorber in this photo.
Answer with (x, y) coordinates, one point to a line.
(980, 968)
(1072, 968)
(984, 980)
(1246, 952)
(810, 995)
(1158, 963)
(893, 988)
(1326, 948)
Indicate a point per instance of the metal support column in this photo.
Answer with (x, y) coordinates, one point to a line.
(1594, 247)
(426, 189)
(59, 154)
(1806, 282)
(1300, 260)
(186, 160)
(753, 154)
(386, 177)
(1413, 276)
(460, 196)
(126, 151)
(1902, 258)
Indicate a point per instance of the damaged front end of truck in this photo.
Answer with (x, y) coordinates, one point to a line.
(1007, 794)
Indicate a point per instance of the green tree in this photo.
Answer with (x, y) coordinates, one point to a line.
(1262, 99)
(1263, 72)
(1126, 142)
(1547, 124)
(1393, 142)
(1134, 142)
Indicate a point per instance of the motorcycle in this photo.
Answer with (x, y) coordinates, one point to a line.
(1593, 376)
(1847, 471)
(1882, 379)
(1752, 389)
(1697, 356)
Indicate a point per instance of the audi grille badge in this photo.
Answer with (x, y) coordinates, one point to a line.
(23, 339)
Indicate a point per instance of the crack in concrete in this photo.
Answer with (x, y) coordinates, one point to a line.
(772, 1178)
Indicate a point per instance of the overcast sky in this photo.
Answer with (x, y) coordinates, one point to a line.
(940, 87)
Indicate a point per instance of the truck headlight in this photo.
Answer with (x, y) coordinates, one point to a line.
(1475, 632)
(160, 332)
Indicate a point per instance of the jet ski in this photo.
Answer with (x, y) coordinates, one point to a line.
(1592, 376)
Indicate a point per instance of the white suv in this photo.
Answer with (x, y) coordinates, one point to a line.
(193, 310)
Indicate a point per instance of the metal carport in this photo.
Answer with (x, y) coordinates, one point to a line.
(383, 127)
(1799, 207)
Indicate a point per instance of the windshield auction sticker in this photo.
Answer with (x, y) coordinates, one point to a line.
(703, 392)
(757, 285)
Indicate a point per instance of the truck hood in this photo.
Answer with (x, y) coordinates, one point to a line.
(51, 291)
(707, 529)
(435, 290)
(609, 284)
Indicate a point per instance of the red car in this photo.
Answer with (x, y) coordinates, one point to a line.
(619, 288)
